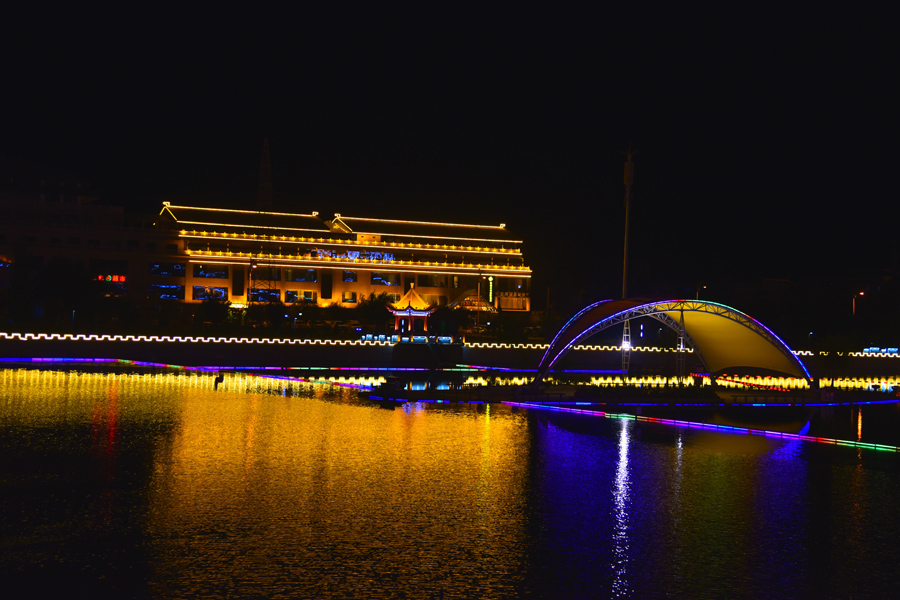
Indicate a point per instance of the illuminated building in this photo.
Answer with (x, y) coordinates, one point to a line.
(255, 256)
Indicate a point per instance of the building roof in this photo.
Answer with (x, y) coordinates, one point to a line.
(248, 221)
(425, 230)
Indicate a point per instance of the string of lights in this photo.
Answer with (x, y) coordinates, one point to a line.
(207, 235)
(708, 426)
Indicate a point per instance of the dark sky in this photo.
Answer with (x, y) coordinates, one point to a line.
(764, 138)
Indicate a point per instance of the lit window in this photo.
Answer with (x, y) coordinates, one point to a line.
(385, 278)
(165, 292)
(303, 275)
(211, 271)
(200, 292)
(292, 296)
(260, 295)
(167, 269)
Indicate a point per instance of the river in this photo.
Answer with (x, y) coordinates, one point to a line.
(131, 485)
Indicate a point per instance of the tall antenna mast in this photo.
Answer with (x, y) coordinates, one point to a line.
(629, 181)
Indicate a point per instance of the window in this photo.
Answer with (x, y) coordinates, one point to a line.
(260, 295)
(205, 293)
(432, 281)
(435, 299)
(266, 274)
(115, 290)
(291, 296)
(385, 278)
(513, 302)
(106, 267)
(167, 269)
(304, 275)
(165, 292)
(350, 276)
(211, 271)
(349, 297)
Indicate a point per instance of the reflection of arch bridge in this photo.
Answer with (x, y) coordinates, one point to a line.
(721, 337)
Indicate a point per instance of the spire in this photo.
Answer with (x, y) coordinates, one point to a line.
(264, 193)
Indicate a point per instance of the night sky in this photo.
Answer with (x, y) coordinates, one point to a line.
(764, 138)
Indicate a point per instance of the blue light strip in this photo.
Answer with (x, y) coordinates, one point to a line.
(426, 401)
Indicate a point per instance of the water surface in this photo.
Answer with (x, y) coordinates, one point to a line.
(159, 486)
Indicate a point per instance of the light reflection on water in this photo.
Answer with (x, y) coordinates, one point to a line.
(620, 536)
(161, 486)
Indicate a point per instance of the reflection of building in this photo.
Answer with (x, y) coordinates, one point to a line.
(250, 256)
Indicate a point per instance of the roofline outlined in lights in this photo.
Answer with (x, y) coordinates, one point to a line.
(501, 227)
(166, 205)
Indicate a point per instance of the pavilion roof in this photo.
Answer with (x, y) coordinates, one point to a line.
(410, 300)
(470, 300)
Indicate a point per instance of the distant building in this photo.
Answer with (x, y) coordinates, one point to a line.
(251, 256)
(59, 235)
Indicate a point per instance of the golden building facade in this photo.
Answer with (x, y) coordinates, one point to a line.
(254, 256)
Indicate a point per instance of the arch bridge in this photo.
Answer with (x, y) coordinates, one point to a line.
(721, 337)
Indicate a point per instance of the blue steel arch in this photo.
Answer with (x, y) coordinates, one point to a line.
(607, 313)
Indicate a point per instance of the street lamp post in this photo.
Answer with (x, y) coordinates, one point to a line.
(854, 301)
(253, 265)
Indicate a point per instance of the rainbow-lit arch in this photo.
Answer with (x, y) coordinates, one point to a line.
(721, 337)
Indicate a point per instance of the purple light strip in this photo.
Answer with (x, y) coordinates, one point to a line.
(710, 426)
(509, 369)
(566, 326)
(73, 360)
